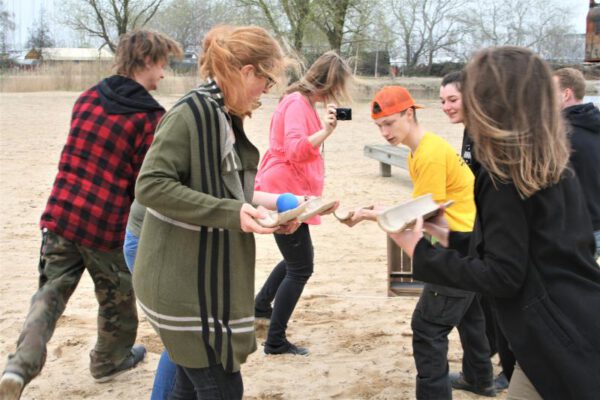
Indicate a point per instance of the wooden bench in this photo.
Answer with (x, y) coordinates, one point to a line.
(387, 155)
(400, 279)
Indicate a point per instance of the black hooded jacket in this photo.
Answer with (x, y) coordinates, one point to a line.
(584, 120)
(121, 95)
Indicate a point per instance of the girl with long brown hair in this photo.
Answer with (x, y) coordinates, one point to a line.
(531, 251)
(293, 163)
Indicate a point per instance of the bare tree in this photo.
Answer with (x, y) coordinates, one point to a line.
(109, 19)
(425, 28)
(290, 19)
(269, 9)
(289, 25)
(442, 29)
(330, 17)
(411, 33)
(298, 14)
(7, 25)
(367, 34)
(39, 33)
(537, 24)
(187, 21)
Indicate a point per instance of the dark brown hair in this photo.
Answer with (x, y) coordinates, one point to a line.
(135, 47)
(513, 116)
(455, 78)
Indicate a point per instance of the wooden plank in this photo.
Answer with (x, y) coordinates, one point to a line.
(387, 155)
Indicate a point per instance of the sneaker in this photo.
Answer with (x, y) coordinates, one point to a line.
(260, 314)
(458, 382)
(11, 386)
(137, 354)
(501, 382)
(286, 348)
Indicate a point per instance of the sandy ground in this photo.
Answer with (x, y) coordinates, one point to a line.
(360, 339)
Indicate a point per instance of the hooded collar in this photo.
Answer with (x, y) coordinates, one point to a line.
(584, 116)
(122, 95)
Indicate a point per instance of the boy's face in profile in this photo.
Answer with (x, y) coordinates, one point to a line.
(394, 128)
(561, 94)
(152, 74)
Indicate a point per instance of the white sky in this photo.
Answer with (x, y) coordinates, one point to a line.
(26, 11)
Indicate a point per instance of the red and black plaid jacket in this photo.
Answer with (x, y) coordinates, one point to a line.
(99, 164)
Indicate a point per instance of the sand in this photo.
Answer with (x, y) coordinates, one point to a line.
(360, 339)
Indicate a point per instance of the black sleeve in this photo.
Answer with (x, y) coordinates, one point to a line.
(459, 241)
(502, 242)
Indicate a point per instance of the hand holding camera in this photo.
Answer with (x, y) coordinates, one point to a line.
(343, 114)
(330, 120)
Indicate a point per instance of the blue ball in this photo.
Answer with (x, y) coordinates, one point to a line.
(286, 201)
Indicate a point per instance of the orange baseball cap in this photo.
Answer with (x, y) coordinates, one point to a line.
(391, 100)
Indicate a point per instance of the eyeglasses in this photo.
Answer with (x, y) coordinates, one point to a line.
(270, 82)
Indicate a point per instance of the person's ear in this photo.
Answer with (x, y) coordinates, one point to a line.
(246, 70)
(148, 62)
(568, 94)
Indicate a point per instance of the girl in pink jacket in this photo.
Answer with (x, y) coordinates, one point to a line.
(293, 163)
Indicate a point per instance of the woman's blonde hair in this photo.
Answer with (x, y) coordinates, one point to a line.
(137, 46)
(512, 113)
(326, 78)
(226, 49)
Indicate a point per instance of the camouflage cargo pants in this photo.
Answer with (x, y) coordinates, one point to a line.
(62, 263)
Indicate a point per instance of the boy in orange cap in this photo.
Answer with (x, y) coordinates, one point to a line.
(436, 168)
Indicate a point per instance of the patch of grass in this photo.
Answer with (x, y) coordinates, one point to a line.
(77, 77)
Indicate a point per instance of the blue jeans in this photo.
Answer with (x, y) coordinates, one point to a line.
(130, 249)
(164, 380)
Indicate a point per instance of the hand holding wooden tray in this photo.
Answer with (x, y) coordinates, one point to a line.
(314, 207)
(404, 216)
(303, 212)
(345, 214)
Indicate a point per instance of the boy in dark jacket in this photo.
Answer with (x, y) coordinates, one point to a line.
(584, 121)
(83, 225)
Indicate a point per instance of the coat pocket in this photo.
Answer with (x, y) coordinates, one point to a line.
(551, 319)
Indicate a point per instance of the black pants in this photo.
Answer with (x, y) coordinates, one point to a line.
(286, 282)
(438, 311)
(211, 383)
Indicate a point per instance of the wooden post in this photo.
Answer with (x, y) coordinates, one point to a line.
(400, 280)
(386, 169)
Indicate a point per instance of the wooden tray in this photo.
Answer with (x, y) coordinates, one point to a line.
(404, 216)
(346, 214)
(275, 218)
(315, 207)
(303, 212)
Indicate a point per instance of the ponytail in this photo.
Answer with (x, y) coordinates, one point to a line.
(227, 49)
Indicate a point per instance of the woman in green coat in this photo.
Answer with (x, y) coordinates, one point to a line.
(194, 272)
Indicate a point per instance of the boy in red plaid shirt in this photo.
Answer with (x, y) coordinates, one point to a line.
(83, 225)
